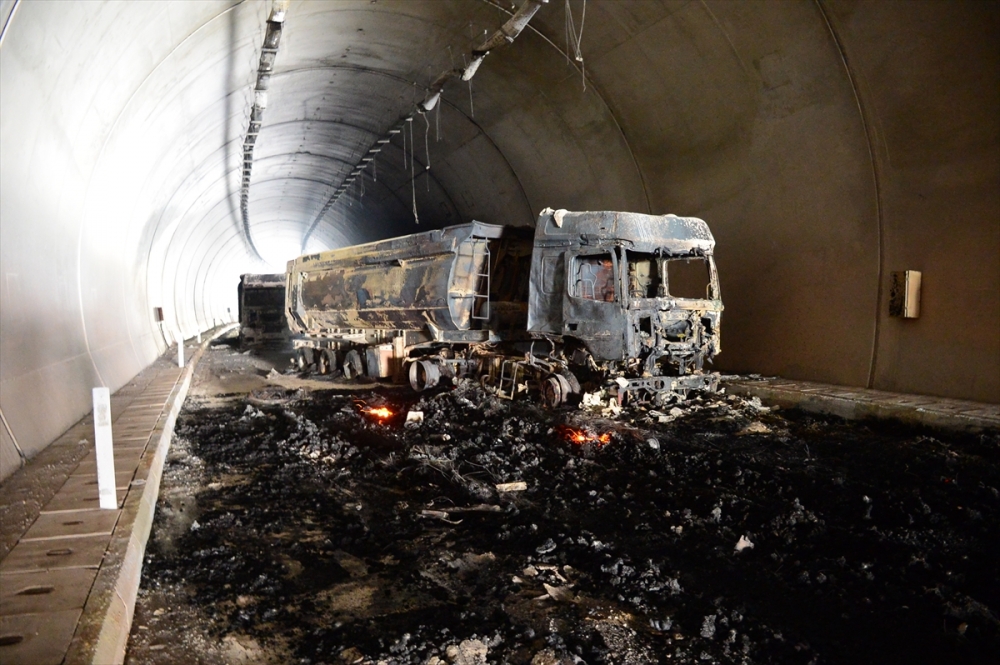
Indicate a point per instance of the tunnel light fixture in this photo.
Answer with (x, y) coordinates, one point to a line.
(473, 67)
(432, 101)
(278, 10)
(268, 53)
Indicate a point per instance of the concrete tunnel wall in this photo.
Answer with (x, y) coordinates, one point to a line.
(827, 143)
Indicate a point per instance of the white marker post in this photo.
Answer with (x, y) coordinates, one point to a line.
(104, 449)
(180, 353)
(199, 337)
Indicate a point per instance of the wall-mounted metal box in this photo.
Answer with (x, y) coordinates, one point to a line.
(904, 294)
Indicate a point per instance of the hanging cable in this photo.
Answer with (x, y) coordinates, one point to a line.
(413, 177)
(573, 38)
(504, 36)
(427, 148)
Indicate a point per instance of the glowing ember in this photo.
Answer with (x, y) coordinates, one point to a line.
(580, 437)
(379, 412)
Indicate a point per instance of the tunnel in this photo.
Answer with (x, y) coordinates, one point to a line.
(153, 152)
(827, 144)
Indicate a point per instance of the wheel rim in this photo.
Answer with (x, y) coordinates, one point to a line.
(423, 375)
(552, 392)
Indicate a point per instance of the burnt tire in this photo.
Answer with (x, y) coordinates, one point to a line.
(487, 383)
(574, 383)
(353, 368)
(301, 360)
(555, 390)
(424, 374)
(323, 362)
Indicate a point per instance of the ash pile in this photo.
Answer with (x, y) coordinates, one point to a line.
(453, 527)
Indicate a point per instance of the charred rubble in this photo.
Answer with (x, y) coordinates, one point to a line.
(454, 527)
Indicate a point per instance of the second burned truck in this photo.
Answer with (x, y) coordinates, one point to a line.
(622, 300)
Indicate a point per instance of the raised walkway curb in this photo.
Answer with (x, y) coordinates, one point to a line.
(861, 403)
(71, 580)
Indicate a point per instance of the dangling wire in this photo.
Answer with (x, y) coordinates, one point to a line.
(472, 109)
(437, 122)
(375, 168)
(413, 180)
(573, 39)
(427, 148)
(404, 148)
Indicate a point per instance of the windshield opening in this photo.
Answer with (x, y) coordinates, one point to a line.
(654, 276)
(688, 278)
(264, 297)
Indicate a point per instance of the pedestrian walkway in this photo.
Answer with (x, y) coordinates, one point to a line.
(69, 571)
(857, 403)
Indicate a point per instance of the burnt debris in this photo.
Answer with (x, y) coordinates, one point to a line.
(317, 528)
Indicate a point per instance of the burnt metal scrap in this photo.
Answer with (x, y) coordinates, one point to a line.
(623, 304)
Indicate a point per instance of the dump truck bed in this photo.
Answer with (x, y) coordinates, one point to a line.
(436, 277)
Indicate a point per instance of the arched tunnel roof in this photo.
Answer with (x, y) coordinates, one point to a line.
(827, 143)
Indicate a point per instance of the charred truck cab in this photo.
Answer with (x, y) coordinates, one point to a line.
(589, 300)
(261, 300)
(634, 295)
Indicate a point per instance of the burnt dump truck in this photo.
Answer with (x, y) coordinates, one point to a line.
(587, 300)
(262, 310)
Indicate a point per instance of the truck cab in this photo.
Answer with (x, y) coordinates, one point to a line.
(639, 291)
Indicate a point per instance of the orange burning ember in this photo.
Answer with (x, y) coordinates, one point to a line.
(580, 437)
(379, 412)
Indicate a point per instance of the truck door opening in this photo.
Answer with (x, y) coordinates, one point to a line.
(594, 277)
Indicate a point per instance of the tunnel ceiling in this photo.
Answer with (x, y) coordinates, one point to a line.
(826, 143)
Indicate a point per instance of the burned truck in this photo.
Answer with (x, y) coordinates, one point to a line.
(261, 300)
(618, 301)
